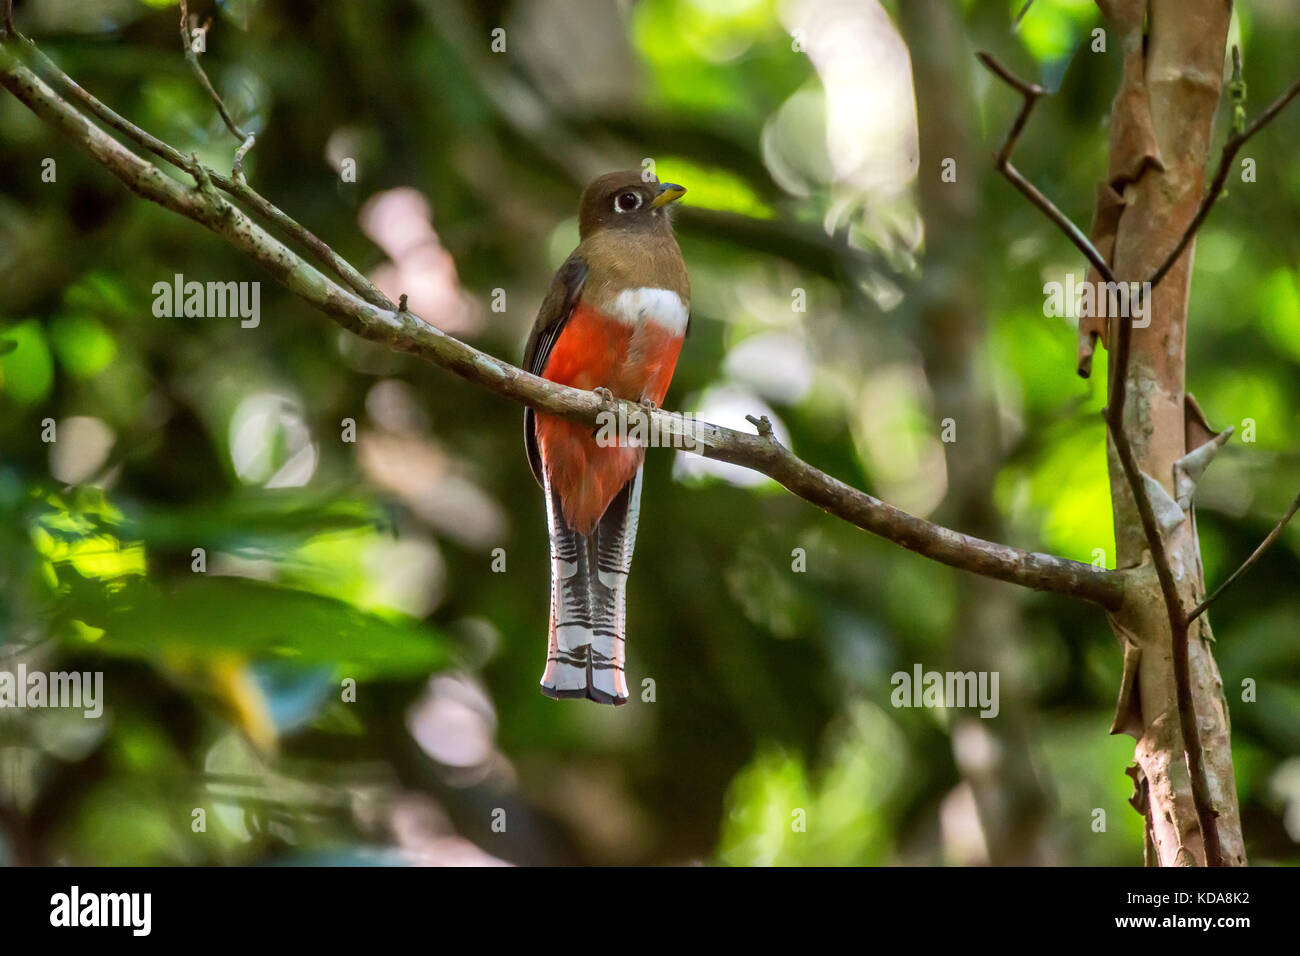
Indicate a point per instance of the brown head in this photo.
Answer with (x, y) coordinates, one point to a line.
(624, 200)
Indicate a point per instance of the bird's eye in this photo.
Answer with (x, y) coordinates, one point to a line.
(628, 201)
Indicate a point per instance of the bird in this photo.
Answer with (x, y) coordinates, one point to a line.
(613, 322)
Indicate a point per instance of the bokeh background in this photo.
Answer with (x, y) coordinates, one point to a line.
(413, 560)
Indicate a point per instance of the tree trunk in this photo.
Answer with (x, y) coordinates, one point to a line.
(1161, 127)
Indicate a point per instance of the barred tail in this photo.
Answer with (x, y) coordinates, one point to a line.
(585, 657)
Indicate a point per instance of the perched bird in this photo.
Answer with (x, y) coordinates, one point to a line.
(613, 321)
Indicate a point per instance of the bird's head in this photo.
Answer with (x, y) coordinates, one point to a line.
(624, 200)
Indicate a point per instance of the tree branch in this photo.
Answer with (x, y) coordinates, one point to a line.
(1245, 566)
(1002, 162)
(405, 331)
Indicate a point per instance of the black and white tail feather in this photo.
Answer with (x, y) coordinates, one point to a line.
(585, 657)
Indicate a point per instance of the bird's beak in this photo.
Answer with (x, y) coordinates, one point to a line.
(668, 192)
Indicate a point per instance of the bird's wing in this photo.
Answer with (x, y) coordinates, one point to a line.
(551, 318)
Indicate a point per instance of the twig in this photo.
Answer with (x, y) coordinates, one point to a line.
(1230, 148)
(1206, 815)
(7, 18)
(1245, 565)
(1002, 162)
(1178, 619)
(407, 332)
(1021, 15)
(187, 46)
(237, 168)
(246, 139)
(1124, 451)
(761, 425)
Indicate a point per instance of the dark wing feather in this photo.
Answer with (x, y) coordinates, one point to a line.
(551, 318)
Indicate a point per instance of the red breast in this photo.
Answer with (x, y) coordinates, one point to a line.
(632, 353)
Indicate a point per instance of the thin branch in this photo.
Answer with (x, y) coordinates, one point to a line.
(7, 18)
(405, 331)
(1002, 162)
(237, 168)
(1178, 619)
(1206, 815)
(1021, 15)
(246, 139)
(1230, 148)
(1245, 566)
(1124, 451)
(1179, 622)
(72, 90)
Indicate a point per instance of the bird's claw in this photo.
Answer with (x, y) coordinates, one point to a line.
(649, 404)
(606, 396)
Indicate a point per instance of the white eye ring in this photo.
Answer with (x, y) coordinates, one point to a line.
(632, 206)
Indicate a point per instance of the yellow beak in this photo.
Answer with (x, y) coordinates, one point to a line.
(668, 192)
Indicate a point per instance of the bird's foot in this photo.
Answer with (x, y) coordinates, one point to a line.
(606, 397)
(649, 404)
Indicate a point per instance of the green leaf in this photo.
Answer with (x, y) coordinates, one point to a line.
(83, 345)
(255, 518)
(26, 370)
(217, 616)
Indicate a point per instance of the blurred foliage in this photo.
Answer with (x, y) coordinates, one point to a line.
(320, 642)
